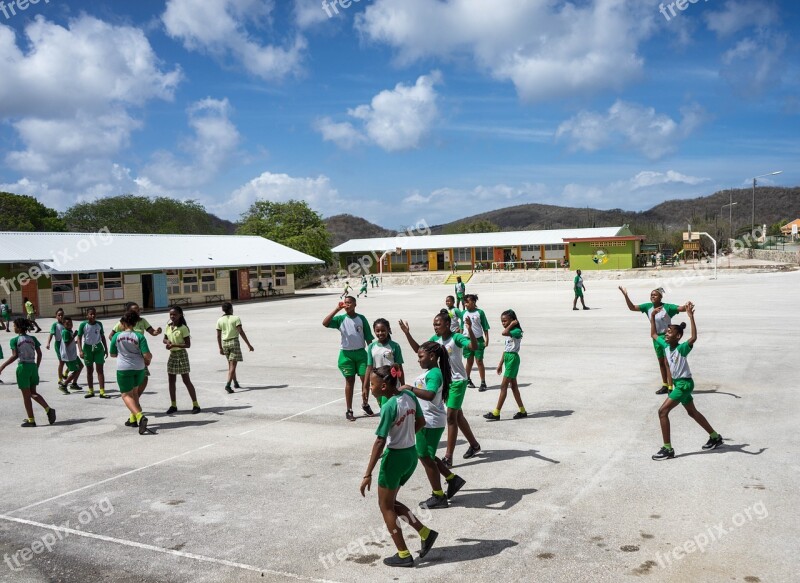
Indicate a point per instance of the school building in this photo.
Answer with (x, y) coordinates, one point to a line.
(586, 249)
(75, 271)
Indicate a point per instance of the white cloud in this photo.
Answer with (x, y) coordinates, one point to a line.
(547, 49)
(648, 178)
(641, 128)
(737, 15)
(220, 29)
(396, 119)
(755, 65)
(308, 13)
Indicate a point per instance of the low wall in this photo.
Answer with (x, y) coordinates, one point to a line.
(792, 257)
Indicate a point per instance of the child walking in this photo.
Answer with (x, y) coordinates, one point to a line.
(177, 339)
(680, 378)
(454, 313)
(229, 329)
(578, 287)
(69, 355)
(27, 349)
(510, 361)
(480, 327)
(133, 355)
(355, 332)
(5, 315)
(401, 418)
(30, 310)
(141, 326)
(56, 328)
(382, 352)
(453, 345)
(460, 290)
(432, 390)
(92, 348)
(363, 289)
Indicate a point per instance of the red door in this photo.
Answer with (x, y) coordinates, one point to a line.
(244, 284)
(31, 291)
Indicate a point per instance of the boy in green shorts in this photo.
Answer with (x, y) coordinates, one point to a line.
(460, 290)
(513, 333)
(579, 288)
(356, 334)
(92, 348)
(69, 355)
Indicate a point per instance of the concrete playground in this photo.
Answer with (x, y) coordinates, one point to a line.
(263, 484)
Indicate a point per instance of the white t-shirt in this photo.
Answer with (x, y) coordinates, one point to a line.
(454, 347)
(434, 411)
(398, 419)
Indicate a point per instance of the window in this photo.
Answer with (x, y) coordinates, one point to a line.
(112, 286)
(266, 271)
(399, 258)
(190, 285)
(280, 276)
(208, 281)
(173, 282)
(63, 289)
(88, 287)
(252, 273)
(419, 256)
(530, 247)
(484, 253)
(608, 244)
(463, 255)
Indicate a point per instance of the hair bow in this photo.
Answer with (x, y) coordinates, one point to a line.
(395, 372)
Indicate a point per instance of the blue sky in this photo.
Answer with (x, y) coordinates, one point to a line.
(397, 110)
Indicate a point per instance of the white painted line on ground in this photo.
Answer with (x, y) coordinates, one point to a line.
(146, 547)
(295, 415)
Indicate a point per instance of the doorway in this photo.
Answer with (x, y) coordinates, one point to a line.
(147, 291)
(234, 278)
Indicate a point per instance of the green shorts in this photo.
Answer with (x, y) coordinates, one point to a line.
(455, 397)
(127, 380)
(397, 466)
(7, 316)
(478, 352)
(510, 365)
(73, 365)
(682, 391)
(660, 352)
(352, 362)
(428, 439)
(27, 375)
(93, 354)
(58, 350)
(578, 292)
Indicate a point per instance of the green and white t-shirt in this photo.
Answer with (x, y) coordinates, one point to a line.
(678, 364)
(455, 318)
(355, 331)
(229, 326)
(379, 355)
(513, 341)
(454, 347)
(578, 283)
(434, 411)
(479, 322)
(26, 348)
(129, 347)
(91, 333)
(663, 318)
(460, 289)
(55, 330)
(4, 310)
(69, 347)
(398, 416)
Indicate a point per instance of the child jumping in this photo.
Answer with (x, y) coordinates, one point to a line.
(431, 388)
(177, 339)
(133, 355)
(480, 326)
(401, 419)
(229, 328)
(680, 378)
(510, 360)
(383, 351)
(27, 349)
(69, 355)
(355, 332)
(92, 348)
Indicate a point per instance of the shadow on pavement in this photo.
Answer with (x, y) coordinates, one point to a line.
(715, 392)
(501, 455)
(726, 448)
(78, 421)
(491, 499)
(471, 550)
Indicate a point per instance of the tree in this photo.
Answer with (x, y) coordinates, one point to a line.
(476, 226)
(19, 212)
(139, 214)
(291, 223)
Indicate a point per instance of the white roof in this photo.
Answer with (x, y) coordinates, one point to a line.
(104, 251)
(501, 239)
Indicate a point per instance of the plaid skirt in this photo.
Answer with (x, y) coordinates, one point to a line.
(178, 362)
(232, 350)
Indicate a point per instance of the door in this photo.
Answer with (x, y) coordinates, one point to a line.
(498, 256)
(244, 284)
(234, 277)
(160, 299)
(440, 259)
(432, 261)
(31, 291)
(147, 291)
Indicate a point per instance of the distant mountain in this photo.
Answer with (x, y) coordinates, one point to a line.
(345, 227)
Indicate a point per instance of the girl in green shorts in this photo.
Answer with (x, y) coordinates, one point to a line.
(680, 378)
(480, 326)
(432, 390)
(383, 351)
(93, 349)
(177, 339)
(453, 345)
(130, 349)
(401, 418)
(28, 351)
(513, 333)
(142, 326)
(55, 331)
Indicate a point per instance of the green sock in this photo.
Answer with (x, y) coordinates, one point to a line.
(424, 532)
(102, 391)
(132, 418)
(668, 446)
(496, 412)
(404, 554)
(195, 404)
(175, 404)
(31, 420)
(450, 477)
(90, 391)
(139, 416)
(522, 410)
(47, 409)
(714, 435)
(438, 493)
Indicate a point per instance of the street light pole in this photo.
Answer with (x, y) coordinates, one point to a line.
(753, 221)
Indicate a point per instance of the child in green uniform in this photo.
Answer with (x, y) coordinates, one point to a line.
(382, 352)
(480, 327)
(363, 289)
(27, 350)
(680, 378)
(453, 345)
(5, 315)
(663, 320)
(347, 290)
(355, 333)
(141, 326)
(92, 348)
(454, 313)
(177, 339)
(432, 390)
(55, 332)
(130, 349)
(460, 290)
(579, 288)
(401, 418)
(229, 328)
(510, 360)
(69, 355)
(30, 310)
